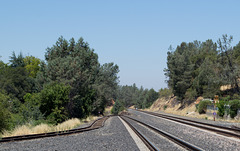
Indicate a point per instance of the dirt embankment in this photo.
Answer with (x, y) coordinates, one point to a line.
(171, 105)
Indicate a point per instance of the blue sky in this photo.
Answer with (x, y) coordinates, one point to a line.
(135, 34)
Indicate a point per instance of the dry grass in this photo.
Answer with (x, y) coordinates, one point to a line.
(69, 124)
(107, 110)
(41, 128)
(44, 128)
(20, 130)
(90, 118)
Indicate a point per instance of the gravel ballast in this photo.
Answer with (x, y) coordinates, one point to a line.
(200, 138)
(160, 142)
(113, 136)
(217, 122)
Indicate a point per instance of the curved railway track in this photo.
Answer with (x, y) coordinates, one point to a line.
(222, 130)
(95, 125)
(151, 147)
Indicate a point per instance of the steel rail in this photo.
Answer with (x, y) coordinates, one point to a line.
(149, 145)
(171, 137)
(94, 125)
(226, 131)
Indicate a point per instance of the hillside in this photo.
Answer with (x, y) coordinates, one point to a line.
(171, 105)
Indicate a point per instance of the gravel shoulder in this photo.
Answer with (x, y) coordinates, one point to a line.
(221, 123)
(113, 136)
(200, 138)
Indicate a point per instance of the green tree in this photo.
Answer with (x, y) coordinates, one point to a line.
(165, 93)
(54, 98)
(32, 65)
(117, 107)
(76, 64)
(236, 54)
(105, 85)
(151, 96)
(180, 69)
(29, 110)
(202, 107)
(234, 107)
(17, 61)
(15, 81)
(230, 70)
(5, 114)
(140, 98)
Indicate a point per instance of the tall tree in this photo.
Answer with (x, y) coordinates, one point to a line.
(17, 61)
(32, 65)
(230, 70)
(15, 81)
(180, 69)
(76, 64)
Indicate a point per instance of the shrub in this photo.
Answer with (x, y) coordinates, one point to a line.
(29, 110)
(4, 116)
(165, 107)
(196, 105)
(235, 97)
(117, 107)
(165, 93)
(221, 107)
(54, 97)
(234, 106)
(202, 108)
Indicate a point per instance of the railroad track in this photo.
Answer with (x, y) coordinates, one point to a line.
(146, 141)
(222, 130)
(95, 125)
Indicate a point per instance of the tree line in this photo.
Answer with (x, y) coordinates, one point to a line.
(69, 83)
(200, 68)
(128, 96)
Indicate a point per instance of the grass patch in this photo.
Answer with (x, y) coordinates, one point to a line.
(44, 128)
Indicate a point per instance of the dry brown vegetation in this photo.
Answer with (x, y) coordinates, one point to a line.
(44, 128)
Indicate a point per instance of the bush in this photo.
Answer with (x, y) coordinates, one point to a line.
(196, 105)
(117, 107)
(165, 93)
(221, 107)
(4, 116)
(202, 108)
(29, 110)
(234, 106)
(54, 97)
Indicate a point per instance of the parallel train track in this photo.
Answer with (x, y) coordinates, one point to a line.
(95, 125)
(222, 130)
(151, 147)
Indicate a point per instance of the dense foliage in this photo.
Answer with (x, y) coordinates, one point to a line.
(75, 64)
(202, 106)
(165, 93)
(140, 98)
(69, 83)
(234, 107)
(201, 68)
(117, 107)
(228, 107)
